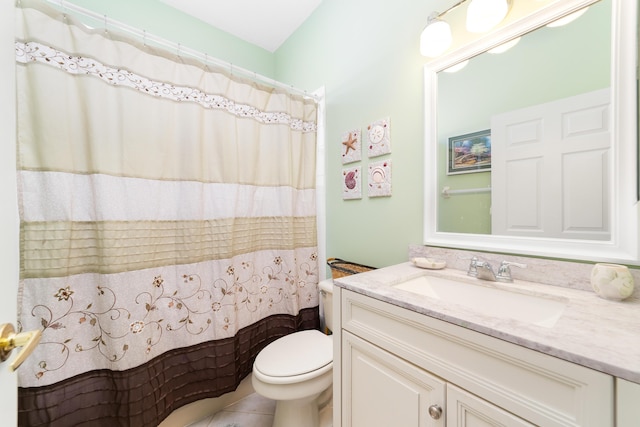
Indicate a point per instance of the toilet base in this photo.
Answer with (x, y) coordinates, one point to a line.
(297, 412)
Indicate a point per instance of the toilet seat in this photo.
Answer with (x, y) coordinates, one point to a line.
(295, 355)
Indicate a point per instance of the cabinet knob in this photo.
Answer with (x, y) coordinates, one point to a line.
(435, 412)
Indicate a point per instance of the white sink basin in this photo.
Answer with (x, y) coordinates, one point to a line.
(488, 301)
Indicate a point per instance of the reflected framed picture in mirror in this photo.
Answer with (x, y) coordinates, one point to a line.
(469, 153)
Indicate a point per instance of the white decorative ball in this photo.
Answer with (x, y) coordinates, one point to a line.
(612, 281)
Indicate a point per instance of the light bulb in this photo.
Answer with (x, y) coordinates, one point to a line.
(483, 15)
(435, 38)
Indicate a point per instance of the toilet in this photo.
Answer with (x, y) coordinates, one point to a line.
(296, 369)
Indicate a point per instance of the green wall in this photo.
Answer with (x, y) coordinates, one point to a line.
(366, 54)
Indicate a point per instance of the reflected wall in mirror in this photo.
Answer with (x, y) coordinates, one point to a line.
(546, 65)
(561, 106)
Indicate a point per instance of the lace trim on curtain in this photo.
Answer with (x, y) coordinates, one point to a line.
(37, 52)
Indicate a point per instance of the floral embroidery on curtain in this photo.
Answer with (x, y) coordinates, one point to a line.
(168, 225)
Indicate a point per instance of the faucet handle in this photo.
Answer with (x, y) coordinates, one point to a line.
(504, 272)
(515, 264)
(473, 267)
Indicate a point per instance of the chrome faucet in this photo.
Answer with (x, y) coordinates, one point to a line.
(483, 270)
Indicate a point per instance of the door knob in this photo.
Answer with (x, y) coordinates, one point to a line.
(10, 340)
(435, 411)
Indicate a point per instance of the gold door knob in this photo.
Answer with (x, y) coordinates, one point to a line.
(10, 340)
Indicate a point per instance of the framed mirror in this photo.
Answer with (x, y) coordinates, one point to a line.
(496, 176)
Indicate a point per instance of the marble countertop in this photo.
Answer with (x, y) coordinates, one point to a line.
(593, 332)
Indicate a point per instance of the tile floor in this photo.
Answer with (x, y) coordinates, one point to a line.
(252, 411)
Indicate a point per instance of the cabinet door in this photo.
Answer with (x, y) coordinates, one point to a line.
(466, 410)
(382, 390)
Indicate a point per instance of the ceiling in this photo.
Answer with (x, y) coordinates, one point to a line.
(264, 23)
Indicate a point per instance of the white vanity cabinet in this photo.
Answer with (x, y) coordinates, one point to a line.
(385, 390)
(466, 410)
(397, 366)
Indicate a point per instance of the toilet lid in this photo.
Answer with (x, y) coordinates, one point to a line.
(295, 354)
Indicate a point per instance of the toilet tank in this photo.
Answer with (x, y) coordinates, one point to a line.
(326, 296)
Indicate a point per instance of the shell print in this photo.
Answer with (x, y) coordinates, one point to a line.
(350, 180)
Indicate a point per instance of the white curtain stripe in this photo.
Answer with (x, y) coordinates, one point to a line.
(59, 196)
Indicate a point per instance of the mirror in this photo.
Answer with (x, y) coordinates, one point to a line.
(484, 108)
(553, 61)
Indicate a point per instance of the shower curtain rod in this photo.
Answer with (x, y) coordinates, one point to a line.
(65, 6)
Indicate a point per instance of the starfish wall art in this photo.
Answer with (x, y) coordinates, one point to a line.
(351, 147)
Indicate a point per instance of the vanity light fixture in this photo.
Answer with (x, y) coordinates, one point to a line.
(483, 15)
(436, 36)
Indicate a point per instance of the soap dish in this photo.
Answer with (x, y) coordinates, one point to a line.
(430, 263)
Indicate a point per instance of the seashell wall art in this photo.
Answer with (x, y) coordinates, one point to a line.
(379, 137)
(352, 183)
(378, 141)
(380, 178)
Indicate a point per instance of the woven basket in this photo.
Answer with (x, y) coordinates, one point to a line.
(341, 268)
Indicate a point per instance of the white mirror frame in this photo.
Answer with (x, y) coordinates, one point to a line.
(623, 246)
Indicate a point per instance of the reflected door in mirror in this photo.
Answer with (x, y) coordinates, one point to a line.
(551, 167)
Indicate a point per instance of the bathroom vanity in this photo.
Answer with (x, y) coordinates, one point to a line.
(409, 358)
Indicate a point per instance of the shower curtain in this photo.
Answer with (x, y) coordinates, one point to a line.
(168, 224)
